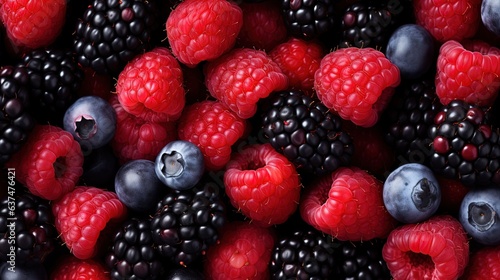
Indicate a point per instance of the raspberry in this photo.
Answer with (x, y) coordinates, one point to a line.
(82, 217)
(214, 129)
(299, 60)
(150, 86)
(72, 268)
(348, 205)
(448, 20)
(357, 83)
(136, 138)
(433, 249)
(199, 30)
(263, 184)
(244, 252)
(468, 72)
(242, 77)
(33, 24)
(50, 163)
(484, 264)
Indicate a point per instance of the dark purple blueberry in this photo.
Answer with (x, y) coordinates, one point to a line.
(32, 271)
(490, 15)
(183, 273)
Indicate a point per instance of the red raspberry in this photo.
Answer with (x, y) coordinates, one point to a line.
(433, 249)
(348, 205)
(483, 264)
(242, 77)
(244, 252)
(50, 163)
(72, 268)
(33, 23)
(299, 60)
(81, 217)
(263, 26)
(150, 86)
(357, 83)
(212, 127)
(200, 30)
(263, 184)
(136, 138)
(468, 72)
(448, 19)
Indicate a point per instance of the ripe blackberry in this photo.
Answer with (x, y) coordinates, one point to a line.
(112, 32)
(306, 132)
(304, 255)
(464, 145)
(54, 79)
(361, 260)
(308, 18)
(133, 254)
(187, 222)
(31, 218)
(16, 121)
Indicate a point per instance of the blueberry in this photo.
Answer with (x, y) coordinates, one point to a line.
(490, 15)
(137, 186)
(411, 49)
(31, 271)
(92, 122)
(180, 165)
(479, 216)
(411, 193)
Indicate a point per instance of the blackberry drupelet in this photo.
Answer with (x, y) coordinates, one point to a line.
(306, 132)
(133, 254)
(35, 234)
(465, 145)
(308, 19)
(16, 121)
(187, 222)
(362, 260)
(112, 32)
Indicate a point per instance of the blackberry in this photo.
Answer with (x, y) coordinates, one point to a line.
(306, 132)
(16, 121)
(362, 260)
(308, 19)
(35, 235)
(187, 222)
(464, 145)
(133, 254)
(112, 32)
(304, 255)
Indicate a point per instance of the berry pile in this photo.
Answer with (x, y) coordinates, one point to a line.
(249, 139)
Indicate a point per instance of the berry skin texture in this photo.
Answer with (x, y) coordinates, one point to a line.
(200, 30)
(82, 216)
(241, 77)
(50, 163)
(347, 205)
(434, 249)
(262, 184)
(33, 24)
(448, 20)
(357, 83)
(150, 87)
(72, 268)
(484, 264)
(244, 252)
(468, 72)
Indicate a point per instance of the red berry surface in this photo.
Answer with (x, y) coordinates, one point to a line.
(483, 264)
(72, 268)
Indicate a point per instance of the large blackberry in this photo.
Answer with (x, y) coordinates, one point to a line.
(308, 18)
(464, 145)
(112, 32)
(306, 132)
(133, 254)
(16, 122)
(26, 223)
(362, 260)
(187, 222)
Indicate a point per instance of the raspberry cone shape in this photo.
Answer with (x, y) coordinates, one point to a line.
(72, 268)
(469, 71)
(262, 184)
(434, 249)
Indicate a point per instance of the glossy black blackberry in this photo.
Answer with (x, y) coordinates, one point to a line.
(133, 254)
(362, 260)
(16, 121)
(465, 145)
(306, 132)
(54, 80)
(187, 222)
(308, 19)
(304, 255)
(111, 32)
(27, 224)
